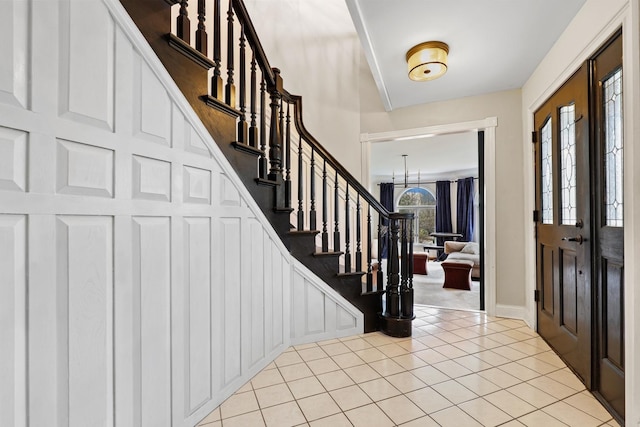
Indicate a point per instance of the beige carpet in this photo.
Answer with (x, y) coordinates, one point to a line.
(428, 290)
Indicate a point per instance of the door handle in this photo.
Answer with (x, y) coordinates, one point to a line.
(578, 239)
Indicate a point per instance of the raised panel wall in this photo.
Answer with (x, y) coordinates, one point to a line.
(144, 286)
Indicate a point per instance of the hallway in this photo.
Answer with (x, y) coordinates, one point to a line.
(460, 368)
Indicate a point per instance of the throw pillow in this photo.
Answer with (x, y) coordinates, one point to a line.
(470, 248)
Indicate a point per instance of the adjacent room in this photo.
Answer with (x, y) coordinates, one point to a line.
(437, 179)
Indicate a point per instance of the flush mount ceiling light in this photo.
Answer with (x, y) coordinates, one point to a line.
(427, 61)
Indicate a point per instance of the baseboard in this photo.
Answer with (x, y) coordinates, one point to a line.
(511, 311)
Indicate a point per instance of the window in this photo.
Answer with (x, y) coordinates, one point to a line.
(422, 203)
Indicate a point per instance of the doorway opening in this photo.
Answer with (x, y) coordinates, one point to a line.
(439, 154)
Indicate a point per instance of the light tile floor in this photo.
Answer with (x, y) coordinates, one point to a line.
(458, 369)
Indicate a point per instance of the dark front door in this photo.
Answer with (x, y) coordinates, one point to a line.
(608, 225)
(563, 224)
(579, 224)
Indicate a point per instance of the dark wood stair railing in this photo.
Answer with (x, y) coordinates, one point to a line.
(262, 141)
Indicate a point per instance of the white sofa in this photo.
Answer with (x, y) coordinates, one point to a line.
(464, 251)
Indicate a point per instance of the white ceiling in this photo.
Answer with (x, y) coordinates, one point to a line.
(494, 45)
(444, 156)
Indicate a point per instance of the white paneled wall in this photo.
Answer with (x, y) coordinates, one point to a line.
(139, 283)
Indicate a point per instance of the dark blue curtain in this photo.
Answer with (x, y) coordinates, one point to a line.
(464, 211)
(443, 209)
(386, 199)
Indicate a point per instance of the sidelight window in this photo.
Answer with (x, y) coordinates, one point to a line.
(547, 173)
(568, 164)
(612, 88)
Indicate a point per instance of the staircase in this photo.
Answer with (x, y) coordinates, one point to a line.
(324, 216)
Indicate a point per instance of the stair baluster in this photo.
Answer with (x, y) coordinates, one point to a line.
(275, 150)
(383, 235)
(243, 127)
(347, 232)
(263, 164)
(300, 187)
(287, 155)
(253, 130)
(358, 235)
(312, 190)
(336, 212)
(183, 25)
(230, 88)
(216, 79)
(369, 250)
(201, 33)
(325, 212)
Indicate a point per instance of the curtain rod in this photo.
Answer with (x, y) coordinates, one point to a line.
(423, 182)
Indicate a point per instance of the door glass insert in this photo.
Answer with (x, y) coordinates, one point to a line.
(568, 164)
(546, 173)
(612, 87)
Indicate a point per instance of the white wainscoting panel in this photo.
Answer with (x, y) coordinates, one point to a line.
(197, 185)
(151, 179)
(152, 106)
(87, 76)
(229, 238)
(14, 43)
(194, 142)
(85, 320)
(254, 290)
(317, 312)
(197, 282)
(85, 170)
(13, 159)
(13, 313)
(152, 296)
(140, 284)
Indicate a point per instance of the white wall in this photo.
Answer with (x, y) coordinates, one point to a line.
(315, 45)
(506, 106)
(593, 25)
(140, 285)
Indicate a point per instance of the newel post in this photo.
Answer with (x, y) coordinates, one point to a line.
(393, 271)
(396, 320)
(406, 285)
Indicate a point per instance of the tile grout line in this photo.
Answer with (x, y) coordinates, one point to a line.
(376, 341)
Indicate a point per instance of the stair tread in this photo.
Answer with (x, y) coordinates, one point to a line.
(377, 292)
(303, 232)
(327, 254)
(245, 148)
(264, 181)
(352, 273)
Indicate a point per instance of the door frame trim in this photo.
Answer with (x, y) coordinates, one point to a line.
(488, 125)
(627, 17)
